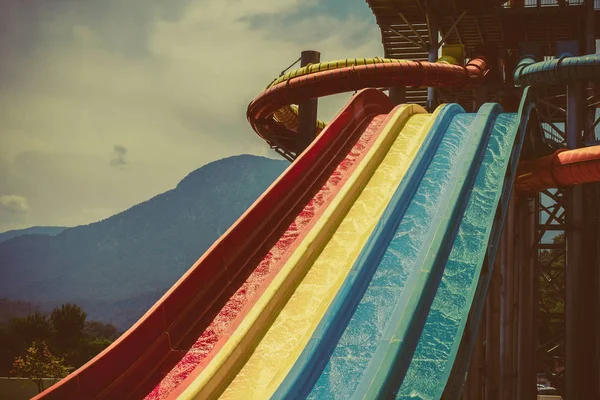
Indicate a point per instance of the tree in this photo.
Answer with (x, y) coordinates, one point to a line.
(18, 335)
(97, 329)
(68, 321)
(39, 364)
(66, 333)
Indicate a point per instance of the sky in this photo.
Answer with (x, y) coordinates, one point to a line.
(104, 104)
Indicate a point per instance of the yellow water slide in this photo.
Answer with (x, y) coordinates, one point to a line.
(262, 350)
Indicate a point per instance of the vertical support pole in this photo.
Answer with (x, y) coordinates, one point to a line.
(576, 332)
(433, 56)
(589, 286)
(590, 37)
(515, 304)
(492, 334)
(596, 222)
(507, 305)
(480, 95)
(590, 48)
(398, 95)
(526, 382)
(591, 212)
(307, 111)
(474, 385)
(574, 106)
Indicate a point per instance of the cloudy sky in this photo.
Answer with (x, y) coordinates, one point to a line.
(106, 103)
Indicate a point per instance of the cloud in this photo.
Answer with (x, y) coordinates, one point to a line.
(118, 156)
(13, 204)
(174, 76)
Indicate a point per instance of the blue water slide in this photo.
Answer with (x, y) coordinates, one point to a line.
(392, 324)
(315, 356)
(441, 360)
(404, 281)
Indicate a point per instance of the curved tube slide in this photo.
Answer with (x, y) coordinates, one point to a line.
(561, 70)
(288, 115)
(262, 239)
(563, 168)
(330, 78)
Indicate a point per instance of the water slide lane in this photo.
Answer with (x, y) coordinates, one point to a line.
(264, 233)
(355, 126)
(410, 314)
(315, 355)
(441, 336)
(357, 348)
(257, 357)
(455, 313)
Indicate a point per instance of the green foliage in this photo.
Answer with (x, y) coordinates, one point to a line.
(97, 329)
(68, 321)
(19, 334)
(33, 327)
(65, 331)
(39, 364)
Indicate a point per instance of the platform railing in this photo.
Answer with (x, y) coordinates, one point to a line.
(550, 3)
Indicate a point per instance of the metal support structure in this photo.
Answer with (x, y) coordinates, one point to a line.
(456, 22)
(480, 95)
(307, 111)
(433, 56)
(492, 334)
(398, 95)
(526, 376)
(508, 306)
(578, 345)
(590, 213)
(474, 385)
(590, 37)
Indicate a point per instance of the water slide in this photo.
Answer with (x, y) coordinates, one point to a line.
(369, 257)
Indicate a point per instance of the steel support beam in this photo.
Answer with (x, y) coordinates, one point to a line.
(398, 95)
(492, 334)
(433, 56)
(480, 96)
(307, 111)
(526, 376)
(590, 37)
(473, 389)
(507, 305)
(591, 214)
(589, 288)
(576, 368)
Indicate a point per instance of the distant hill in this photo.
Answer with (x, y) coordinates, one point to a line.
(15, 309)
(34, 230)
(116, 268)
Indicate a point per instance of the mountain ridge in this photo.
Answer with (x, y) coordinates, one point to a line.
(126, 261)
(33, 230)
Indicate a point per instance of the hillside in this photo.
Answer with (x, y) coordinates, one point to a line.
(118, 267)
(34, 230)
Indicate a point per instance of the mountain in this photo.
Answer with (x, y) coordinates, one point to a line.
(116, 268)
(34, 230)
(15, 309)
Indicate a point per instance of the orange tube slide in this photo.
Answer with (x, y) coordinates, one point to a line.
(561, 169)
(356, 77)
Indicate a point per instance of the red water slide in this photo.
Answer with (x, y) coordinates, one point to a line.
(179, 332)
(232, 271)
(563, 168)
